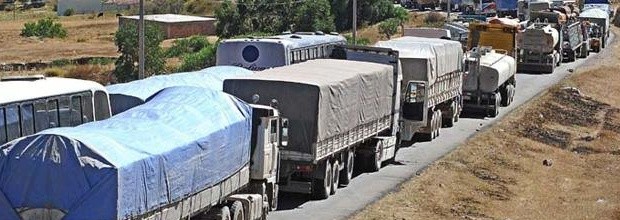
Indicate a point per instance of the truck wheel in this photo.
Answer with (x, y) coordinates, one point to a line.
(335, 177)
(449, 122)
(512, 94)
(236, 209)
(439, 122)
(375, 159)
(347, 173)
(272, 196)
(222, 213)
(494, 110)
(322, 187)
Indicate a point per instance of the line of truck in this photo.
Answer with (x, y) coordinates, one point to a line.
(178, 149)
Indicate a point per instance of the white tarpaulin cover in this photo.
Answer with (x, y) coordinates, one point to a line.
(425, 59)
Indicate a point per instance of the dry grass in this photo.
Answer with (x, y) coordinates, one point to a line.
(86, 37)
(500, 173)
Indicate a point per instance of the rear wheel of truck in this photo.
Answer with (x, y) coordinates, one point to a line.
(347, 173)
(236, 211)
(449, 122)
(439, 121)
(374, 161)
(272, 196)
(494, 110)
(322, 187)
(507, 94)
(335, 177)
(221, 213)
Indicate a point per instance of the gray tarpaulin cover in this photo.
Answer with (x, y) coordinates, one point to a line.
(321, 98)
(128, 95)
(182, 141)
(425, 59)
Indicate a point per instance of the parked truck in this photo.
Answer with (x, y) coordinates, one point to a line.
(573, 46)
(337, 109)
(489, 81)
(497, 33)
(599, 27)
(431, 86)
(540, 43)
(187, 152)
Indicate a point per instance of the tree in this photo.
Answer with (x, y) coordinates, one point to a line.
(389, 27)
(314, 16)
(126, 39)
(229, 20)
(402, 15)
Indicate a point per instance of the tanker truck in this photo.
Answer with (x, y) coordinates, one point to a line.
(338, 110)
(489, 81)
(540, 43)
(187, 152)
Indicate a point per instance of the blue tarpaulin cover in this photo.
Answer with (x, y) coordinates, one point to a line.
(183, 140)
(128, 95)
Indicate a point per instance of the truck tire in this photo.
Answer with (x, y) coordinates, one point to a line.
(322, 187)
(374, 161)
(236, 211)
(507, 94)
(439, 122)
(494, 110)
(449, 122)
(272, 196)
(347, 173)
(221, 213)
(335, 177)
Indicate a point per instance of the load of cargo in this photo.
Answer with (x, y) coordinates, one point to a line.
(490, 81)
(124, 96)
(598, 22)
(333, 107)
(123, 168)
(431, 85)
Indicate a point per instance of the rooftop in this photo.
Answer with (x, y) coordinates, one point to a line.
(171, 18)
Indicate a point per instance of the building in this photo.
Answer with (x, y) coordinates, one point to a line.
(174, 25)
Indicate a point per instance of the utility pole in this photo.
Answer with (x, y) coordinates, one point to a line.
(141, 42)
(354, 21)
(449, 2)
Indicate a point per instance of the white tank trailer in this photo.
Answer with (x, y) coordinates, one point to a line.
(489, 81)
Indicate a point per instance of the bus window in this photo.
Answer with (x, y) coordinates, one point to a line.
(76, 110)
(2, 127)
(27, 119)
(41, 122)
(102, 107)
(64, 111)
(12, 122)
(52, 113)
(87, 107)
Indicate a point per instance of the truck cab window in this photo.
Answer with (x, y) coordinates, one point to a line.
(76, 110)
(273, 134)
(64, 111)
(87, 107)
(102, 106)
(52, 113)
(41, 121)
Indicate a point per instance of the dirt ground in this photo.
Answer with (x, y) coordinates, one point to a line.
(87, 36)
(558, 157)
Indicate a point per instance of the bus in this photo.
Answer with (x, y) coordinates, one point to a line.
(29, 104)
(280, 50)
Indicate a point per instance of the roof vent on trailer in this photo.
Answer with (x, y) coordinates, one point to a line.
(295, 36)
(22, 78)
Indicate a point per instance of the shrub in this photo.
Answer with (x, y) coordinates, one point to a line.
(200, 60)
(389, 27)
(126, 39)
(44, 28)
(188, 45)
(89, 72)
(55, 72)
(359, 41)
(434, 18)
(101, 61)
(69, 12)
(200, 7)
(61, 62)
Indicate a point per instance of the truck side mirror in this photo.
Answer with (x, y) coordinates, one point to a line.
(284, 133)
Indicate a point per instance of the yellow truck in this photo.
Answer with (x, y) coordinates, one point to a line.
(495, 34)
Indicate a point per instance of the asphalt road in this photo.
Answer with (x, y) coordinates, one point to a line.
(369, 187)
